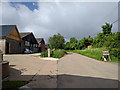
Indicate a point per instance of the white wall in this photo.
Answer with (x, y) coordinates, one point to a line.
(2, 45)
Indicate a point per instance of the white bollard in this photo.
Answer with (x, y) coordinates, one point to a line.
(48, 52)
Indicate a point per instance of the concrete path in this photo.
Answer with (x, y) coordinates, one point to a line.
(78, 71)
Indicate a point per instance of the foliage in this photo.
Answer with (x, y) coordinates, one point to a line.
(74, 44)
(94, 53)
(107, 28)
(115, 52)
(106, 39)
(56, 42)
(55, 53)
(45, 54)
(58, 53)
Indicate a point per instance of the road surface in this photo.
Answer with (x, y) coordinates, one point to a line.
(78, 71)
(71, 71)
(41, 73)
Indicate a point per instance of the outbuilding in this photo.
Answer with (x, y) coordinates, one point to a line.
(41, 43)
(29, 42)
(10, 40)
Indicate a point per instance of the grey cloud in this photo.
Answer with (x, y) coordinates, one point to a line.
(70, 19)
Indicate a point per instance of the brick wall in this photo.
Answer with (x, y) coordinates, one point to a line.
(42, 47)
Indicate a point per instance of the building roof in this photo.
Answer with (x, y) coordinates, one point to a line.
(31, 36)
(5, 30)
(39, 39)
(24, 34)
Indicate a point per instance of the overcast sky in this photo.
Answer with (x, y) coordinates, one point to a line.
(70, 19)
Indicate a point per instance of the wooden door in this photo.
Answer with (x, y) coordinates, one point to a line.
(7, 47)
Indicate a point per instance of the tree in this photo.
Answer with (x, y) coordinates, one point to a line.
(107, 28)
(67, 46)
(73, 40)
(72, 44)
(56, 42)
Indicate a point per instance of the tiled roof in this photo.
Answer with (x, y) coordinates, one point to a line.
(24, 34)
(5, 29)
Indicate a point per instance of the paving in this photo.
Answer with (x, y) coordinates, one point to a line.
(71, 71)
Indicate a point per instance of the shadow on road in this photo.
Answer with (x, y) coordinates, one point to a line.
(72, 81)
(62, 81)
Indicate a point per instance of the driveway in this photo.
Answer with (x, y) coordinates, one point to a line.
(71, 71)
(78, 71)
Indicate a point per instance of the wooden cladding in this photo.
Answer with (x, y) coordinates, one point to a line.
(14, 34)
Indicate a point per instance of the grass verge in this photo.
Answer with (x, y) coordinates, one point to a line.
(94, 53)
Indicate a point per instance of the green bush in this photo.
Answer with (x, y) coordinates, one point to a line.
(58, 53)
(55, 53)
(115, 52)
(44, 54)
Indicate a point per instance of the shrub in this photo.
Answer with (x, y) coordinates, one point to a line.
(44, 54)
(55, 53)
(115, 52)
(58, 53)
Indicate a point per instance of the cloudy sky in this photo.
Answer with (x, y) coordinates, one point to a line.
(70, 19)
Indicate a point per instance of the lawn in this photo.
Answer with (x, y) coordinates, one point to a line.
(94, 53)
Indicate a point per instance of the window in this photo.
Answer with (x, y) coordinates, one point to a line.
(27, 43)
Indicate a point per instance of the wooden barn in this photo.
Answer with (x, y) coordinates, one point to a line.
(41, 43)
(10, 40)
(29, 42)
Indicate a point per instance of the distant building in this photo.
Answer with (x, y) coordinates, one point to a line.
(10, 40)
(29, 42)
(41, 43)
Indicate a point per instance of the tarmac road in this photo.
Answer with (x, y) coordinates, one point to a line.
(71, 71)
(78, 71)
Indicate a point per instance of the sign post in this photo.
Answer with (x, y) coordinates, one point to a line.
(106, 53)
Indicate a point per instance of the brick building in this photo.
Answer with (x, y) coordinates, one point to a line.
(41, 43)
